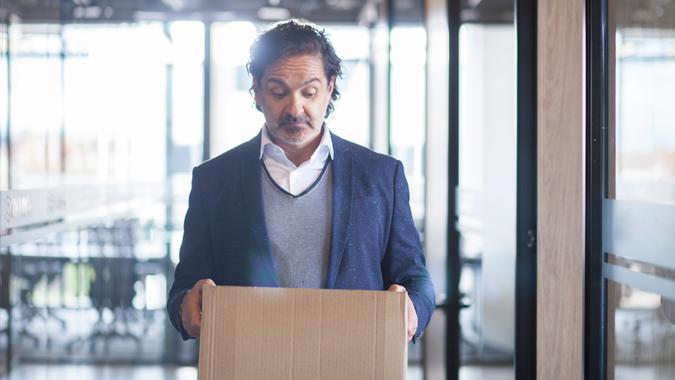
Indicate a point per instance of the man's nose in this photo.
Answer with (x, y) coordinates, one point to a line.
(296, 106)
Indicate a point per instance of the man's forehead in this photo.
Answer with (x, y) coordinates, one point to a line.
(298, 68)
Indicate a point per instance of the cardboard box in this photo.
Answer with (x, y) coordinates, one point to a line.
(253, 333)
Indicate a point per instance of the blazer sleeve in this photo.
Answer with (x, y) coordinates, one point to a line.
(404, 261)
(196, 256)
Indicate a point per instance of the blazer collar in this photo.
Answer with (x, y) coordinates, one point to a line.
(262, 265)
(342, 207)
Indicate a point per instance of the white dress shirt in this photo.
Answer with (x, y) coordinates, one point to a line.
(294, 179)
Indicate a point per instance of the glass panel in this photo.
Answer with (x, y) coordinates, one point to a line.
(407, 115)
(96, 292)
(350, 120)
(115, 100)
(645, 116)
(644, 335)
(92, 294)
(234, 118)
(36, 109)
(407, 133)
(640, 325)
(487, 195)
(187, 119)
(187, 107)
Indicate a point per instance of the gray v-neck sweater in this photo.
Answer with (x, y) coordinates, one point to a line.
(299, 230)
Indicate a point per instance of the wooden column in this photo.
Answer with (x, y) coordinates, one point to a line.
(560, 186)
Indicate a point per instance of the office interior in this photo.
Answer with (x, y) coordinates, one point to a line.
(106, 106)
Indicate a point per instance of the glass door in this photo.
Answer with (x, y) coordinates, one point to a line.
(631, 191)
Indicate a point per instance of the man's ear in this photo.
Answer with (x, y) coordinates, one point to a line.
(331, 86)
(256, 94)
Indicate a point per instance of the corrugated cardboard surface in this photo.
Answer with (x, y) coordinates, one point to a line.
(283, 333)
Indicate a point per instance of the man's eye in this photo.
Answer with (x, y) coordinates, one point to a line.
(309, 94)
(278, 94)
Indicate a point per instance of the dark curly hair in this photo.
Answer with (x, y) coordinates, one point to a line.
(291, 38)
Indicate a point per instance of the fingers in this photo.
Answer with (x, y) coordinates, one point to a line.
(190, 314)
(412, 313)
(199, 286)
(412, 319)
(192, 308)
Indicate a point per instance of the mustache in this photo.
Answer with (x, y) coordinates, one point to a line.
(290, 119)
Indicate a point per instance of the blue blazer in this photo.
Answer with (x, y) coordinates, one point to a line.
(374, 242)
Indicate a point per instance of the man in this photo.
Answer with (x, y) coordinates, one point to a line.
(297, 206)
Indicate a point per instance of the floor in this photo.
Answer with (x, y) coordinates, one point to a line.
(108, 372)
(488, 372)
(154, 372)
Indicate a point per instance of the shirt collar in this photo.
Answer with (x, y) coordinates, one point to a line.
(325, 143)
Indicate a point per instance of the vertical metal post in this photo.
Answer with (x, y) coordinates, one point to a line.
(7, 273)
(436, 183)
(169, 335)
(525, 356)
(390, 25)
(7, 268)
(206, 147)
(62, 131)
(453, 333)
(8, 136)
(379, 78)
(597, 116)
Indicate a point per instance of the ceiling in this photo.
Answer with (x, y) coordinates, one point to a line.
(629, 13)
(126, 10)
(320, 11)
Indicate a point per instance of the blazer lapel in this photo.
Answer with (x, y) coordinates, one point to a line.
(262, 265)
(342, 205)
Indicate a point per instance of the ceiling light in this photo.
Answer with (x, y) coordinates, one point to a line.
(273, 13)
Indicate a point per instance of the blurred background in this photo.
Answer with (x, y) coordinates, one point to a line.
(107, 105)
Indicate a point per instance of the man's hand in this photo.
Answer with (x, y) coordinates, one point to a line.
(191, 308)
(412, 314)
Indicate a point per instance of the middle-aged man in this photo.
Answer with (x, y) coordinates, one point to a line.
(297, 206)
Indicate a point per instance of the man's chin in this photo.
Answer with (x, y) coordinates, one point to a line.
(296, 136)
(295, 141)
(294, 132)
